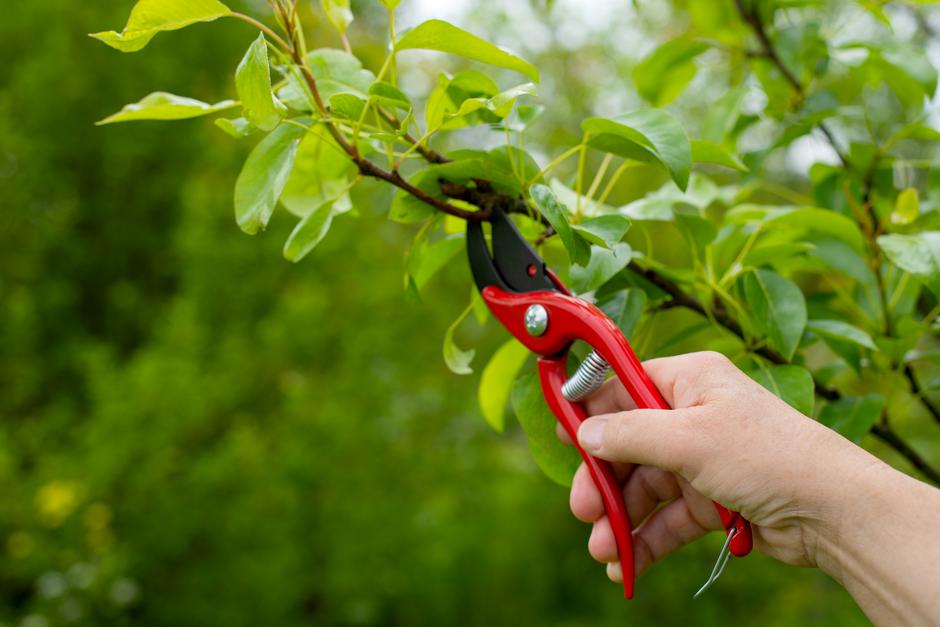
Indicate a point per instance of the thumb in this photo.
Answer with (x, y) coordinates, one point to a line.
(652, 437)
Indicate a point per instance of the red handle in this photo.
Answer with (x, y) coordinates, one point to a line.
(570, 319)
(553, 374)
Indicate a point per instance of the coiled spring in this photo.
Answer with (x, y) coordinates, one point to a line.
(587, 378)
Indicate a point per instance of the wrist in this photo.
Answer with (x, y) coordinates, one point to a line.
(854, 499)
(865, 542)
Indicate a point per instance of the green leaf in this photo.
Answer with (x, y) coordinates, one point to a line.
(839, 330)
(557, 216)
(799, 220)
(437, 104)
(918, 254)
(321, 172)
(556, 460)
(444, 37)
(481, 311)
(843, 339)
(408, 209)
(253, 81)
(907, 207)
(161, 105)
(698, 231)
(514, 167)
(625, 308)
(338, 13)
(650, 135)
(309, 232)
(820, 221)
(603, 231)
(662, 76)
(335, 71)
(722, 116)
(853, 416)
(707, 152)
(264, 177)
(778, 309)
(149, 17)
(457, 359)
(526, 116)
(429, 258)
(767, 253)
(660, 204)
(236, 127)
(842, 257)
(391, 5)
(387, 94)
(604, 264)
(469, 98)
(499, 105)
(347, 106)
(569, 198)
(916, 130)
(793, 384)
(497, 379)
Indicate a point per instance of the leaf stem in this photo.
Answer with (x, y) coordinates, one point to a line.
(283, 45)
(614, 179)
(599, 175)
(553, 163)
(582, 157)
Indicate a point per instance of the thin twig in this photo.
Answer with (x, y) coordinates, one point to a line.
(769, 52)
(920, 393)
(886, 434)
(267, 30)
(482, 195)
(423, 149)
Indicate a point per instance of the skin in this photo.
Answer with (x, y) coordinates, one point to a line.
(813, 497)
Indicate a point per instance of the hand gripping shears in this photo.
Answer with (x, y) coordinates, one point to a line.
(537, 309)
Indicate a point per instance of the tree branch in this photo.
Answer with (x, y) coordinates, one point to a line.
(887, 435)
(682, 299)
(752, 19)
(883, 431)
(427, 152)
(920, 393)
(369, 168)
(482, 195)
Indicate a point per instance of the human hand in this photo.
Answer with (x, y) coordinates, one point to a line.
(727, 439)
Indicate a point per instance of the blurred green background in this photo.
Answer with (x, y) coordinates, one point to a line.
(193, 431)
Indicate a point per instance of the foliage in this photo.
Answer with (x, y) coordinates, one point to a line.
(198, 433)
(748, 249)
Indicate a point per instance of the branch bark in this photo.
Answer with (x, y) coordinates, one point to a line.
(887, 435)
(769, 52)
(920, 393)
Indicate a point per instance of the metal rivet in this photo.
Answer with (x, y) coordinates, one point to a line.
(536, 320)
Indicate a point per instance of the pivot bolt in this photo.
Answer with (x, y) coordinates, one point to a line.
(536, 320)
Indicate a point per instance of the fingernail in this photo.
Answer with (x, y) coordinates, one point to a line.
(591, 434)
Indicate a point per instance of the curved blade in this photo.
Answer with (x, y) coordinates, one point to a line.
(514, 266)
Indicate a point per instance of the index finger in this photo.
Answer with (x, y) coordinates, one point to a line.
(610, 398)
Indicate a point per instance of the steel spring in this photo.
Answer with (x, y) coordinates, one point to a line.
(587, 378)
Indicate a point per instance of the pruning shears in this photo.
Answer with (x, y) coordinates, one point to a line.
(537, 309)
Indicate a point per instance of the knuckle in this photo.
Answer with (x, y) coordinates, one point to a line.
(711, 361)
